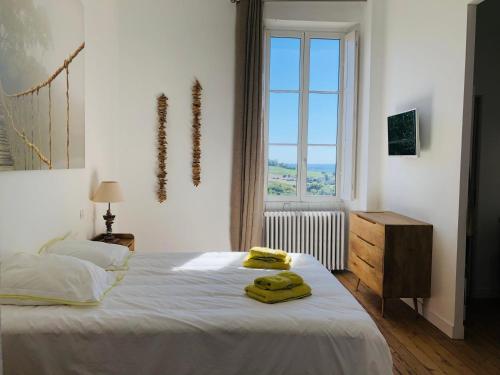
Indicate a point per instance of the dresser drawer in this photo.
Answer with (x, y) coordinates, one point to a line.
(370, 253)
(366, 272)
(368, 230)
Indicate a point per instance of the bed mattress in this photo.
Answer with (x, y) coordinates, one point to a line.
(186, 313)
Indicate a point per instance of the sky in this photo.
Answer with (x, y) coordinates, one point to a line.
(284, 107)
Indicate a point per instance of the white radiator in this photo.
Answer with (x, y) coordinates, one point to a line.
(318, 233)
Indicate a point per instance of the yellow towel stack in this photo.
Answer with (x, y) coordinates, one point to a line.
(262, 257)
(284, 286)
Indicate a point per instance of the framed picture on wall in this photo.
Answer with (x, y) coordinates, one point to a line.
(42, 119)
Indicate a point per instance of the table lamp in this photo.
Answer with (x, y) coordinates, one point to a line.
(108, 192)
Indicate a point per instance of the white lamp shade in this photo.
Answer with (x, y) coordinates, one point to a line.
(108, 192)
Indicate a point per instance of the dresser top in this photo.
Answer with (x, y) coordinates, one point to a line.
(388, 218)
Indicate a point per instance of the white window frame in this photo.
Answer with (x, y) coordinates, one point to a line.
(302, 144)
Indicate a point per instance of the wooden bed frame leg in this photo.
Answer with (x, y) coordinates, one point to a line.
(415, 305)
(383, 305)
(357, 285)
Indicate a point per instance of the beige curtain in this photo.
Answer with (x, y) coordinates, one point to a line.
(247, 196)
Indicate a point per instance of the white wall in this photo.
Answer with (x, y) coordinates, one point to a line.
(314, 11)
(38, 205)
(421, 60)
(163, 46)
(135, 50)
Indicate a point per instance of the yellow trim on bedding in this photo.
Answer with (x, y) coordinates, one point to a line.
(124, 266)
(49, 243)
(62, 301)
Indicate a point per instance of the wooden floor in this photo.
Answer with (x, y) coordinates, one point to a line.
(419, 348)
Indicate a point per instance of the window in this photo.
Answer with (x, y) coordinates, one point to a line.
(303, 114)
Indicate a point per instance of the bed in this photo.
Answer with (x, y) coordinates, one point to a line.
(186, 313)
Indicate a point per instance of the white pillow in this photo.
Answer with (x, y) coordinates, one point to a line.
(30, 279)
(53, 241)
(111, 257)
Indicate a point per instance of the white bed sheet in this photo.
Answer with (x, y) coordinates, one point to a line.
(186, 313)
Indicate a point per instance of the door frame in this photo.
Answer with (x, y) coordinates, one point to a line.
(465, 163)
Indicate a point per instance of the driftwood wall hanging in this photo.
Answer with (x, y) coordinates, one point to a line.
(162, 104)
(196, 91)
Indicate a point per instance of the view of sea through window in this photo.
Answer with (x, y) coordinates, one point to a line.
(303, 110)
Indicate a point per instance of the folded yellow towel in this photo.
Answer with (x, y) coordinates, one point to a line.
(264, 252)
(258, 263)
(266, 259)
(282, 280)
(275, 296)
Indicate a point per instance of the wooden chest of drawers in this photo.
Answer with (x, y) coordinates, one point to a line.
(391, 254)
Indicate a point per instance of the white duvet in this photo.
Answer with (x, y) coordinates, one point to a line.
(186, 313)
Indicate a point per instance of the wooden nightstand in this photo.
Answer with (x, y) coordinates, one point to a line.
(125, 239)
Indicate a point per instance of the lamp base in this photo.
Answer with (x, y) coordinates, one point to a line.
(109, 219)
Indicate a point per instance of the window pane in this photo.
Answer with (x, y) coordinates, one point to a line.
(321, 170)
(282, 171)
(324, 64)
(283, 117)
(285, 63)
(322, 123)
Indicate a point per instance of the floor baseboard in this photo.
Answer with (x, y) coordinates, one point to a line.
(439, 322)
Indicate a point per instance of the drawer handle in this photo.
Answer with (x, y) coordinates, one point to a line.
(368, 242)
(365, 261)
(365, 219)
